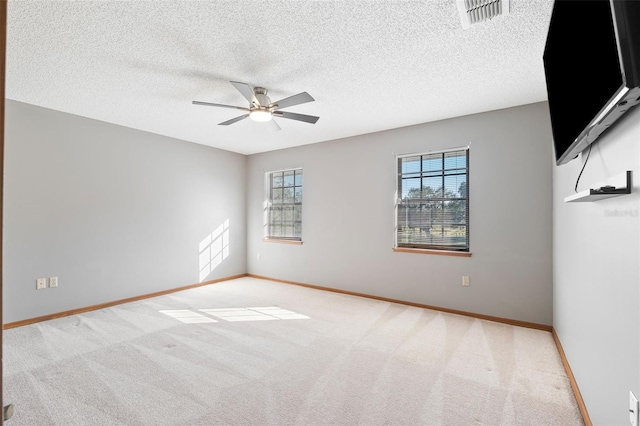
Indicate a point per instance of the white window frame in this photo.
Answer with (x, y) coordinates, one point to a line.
(431, 248)
(271, 201)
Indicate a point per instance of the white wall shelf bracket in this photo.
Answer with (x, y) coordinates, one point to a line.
(613, 187)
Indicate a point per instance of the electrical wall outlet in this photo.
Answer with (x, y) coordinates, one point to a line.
(41, 283)
(465, 281)
(53, 282)
(633, 409)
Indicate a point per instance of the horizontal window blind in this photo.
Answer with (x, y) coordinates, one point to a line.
(433, 205)
(285, 205)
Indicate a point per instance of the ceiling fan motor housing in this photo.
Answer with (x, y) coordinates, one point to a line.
(260, 94)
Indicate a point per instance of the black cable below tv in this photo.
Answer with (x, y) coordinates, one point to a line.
(592, 69)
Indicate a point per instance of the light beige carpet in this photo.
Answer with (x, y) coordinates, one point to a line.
(256, 352)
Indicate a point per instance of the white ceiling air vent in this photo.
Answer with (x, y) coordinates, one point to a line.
(475, 11)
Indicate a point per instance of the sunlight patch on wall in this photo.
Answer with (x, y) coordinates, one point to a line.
(214, 248)
(188, 316)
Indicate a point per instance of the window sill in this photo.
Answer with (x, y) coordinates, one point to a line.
(281, 241)
(431, 251)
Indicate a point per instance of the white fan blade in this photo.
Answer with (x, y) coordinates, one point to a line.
(299, 117)
(219, 105)
(233, 120)
(300, 98)
(246, 91)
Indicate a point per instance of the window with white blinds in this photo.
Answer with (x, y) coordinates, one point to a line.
(432, 210)
(284, 207)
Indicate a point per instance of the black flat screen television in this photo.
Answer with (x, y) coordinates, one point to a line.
(592, 70)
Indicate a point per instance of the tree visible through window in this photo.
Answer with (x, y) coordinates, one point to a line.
(433, 201)
(284, 209)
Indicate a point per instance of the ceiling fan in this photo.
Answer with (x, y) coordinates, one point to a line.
(262, 109)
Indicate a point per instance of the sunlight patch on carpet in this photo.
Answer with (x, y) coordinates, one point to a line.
(254, 314)
(267, 313)
(187, 316)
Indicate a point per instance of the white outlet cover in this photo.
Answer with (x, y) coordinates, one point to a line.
(633, 409)
(41, 283)
(53, 282)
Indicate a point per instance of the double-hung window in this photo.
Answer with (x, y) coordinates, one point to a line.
(284, 205)
(432, 210)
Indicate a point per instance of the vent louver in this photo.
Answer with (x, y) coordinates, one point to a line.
(475, 11)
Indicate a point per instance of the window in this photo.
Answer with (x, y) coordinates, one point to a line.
(284, 206)
(432, 211)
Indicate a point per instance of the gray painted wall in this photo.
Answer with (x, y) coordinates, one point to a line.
(113, 212)
(348, 216)
(597, 276)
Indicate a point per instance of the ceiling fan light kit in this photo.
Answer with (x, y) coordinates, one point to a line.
(261, 109)
(260, 115)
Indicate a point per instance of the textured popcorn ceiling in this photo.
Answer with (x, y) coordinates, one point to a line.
(370, 65)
